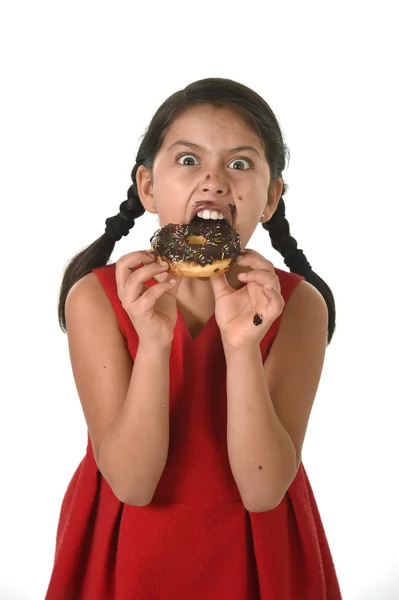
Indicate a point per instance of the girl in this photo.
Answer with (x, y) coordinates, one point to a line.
(192, 485)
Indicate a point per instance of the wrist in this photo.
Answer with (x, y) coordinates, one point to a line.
(233, 353)
(151, 351)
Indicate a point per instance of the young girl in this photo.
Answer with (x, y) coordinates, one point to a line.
(192, 486)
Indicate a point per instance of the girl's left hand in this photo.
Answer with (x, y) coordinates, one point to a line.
(235, 310)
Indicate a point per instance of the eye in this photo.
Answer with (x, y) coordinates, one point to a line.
(186, 158)
(241, 164)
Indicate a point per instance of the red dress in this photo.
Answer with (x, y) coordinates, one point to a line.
(195, 540)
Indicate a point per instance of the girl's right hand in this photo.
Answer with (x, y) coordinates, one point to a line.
(152, 310)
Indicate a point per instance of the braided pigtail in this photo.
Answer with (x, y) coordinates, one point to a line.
(99, 252)
(258, 115)
(281, 239)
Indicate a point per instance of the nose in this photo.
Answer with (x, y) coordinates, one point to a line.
(213, 184)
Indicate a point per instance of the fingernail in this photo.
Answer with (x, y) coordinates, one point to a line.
(163, 263)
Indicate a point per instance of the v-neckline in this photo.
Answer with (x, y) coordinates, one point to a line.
(152, 281)
(187, 332)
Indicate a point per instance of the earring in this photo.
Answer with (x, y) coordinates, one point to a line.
(262, 216)
(153, 206)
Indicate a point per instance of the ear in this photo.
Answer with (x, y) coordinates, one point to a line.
(273, 198)
(144, 188)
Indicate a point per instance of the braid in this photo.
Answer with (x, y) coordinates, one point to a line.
(130, 209)
(282, 240)
(98, 253)
(279, 230)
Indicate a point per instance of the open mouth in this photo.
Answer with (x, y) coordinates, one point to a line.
(209, 215)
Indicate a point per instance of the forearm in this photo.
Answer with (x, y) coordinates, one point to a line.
(261, 453)
(134, 451)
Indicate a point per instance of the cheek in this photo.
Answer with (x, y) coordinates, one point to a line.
(164, 193)
(249, 207)
(169, 181)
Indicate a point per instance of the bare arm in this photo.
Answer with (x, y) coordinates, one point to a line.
(134, 450)
(261, 453)
(269, 405)
(126, 405)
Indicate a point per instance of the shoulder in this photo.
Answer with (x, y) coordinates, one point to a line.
(86, 287)
(95, 296)
(88, 299)
(288, 282)
(96, 284)
(306, 295)
(305, 311)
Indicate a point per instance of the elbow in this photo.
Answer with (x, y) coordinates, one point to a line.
(130, 496)
(126, 496)
(134, 502)
(132, 499)
(260, 505)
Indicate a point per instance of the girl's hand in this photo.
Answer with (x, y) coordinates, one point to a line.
(152, 310)
(238, 311)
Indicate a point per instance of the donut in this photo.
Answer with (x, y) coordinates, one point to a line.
(202, 248)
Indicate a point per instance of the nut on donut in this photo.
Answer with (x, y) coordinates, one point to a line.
(202, 248)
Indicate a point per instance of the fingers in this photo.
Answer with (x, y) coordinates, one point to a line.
(262, 277)
(263, 299)
(147, 300)
(259, 300)
(261, 270)
(129, 263)
(274, 298)
(133, 270)
(174, 289)
(135, 284)
(220, 285)
(251, 258)
(130, 278)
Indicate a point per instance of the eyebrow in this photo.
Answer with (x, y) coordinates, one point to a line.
(201, 148)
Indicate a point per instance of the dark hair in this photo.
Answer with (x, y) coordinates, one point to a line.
(258, 114)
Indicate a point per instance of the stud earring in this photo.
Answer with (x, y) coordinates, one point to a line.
(153, 206)
(262, 216)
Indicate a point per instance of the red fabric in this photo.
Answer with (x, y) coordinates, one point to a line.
(195, 540)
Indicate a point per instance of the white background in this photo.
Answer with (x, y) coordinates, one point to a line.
(80, 82)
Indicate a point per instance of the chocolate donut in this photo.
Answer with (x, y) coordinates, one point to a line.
(202, 248)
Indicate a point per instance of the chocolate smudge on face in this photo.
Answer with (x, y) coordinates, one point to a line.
(233, 211)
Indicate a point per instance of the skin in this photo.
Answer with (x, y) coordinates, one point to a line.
(183, 176)
(268, 409)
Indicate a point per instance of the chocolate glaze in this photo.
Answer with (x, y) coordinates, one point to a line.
(221, 242)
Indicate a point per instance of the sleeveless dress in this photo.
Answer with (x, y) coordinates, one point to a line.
(195, 540)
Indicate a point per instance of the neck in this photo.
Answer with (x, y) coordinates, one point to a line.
(199, 289)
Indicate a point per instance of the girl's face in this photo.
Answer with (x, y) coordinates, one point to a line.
(210, 156)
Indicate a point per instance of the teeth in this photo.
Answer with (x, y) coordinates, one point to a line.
(210, 214)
